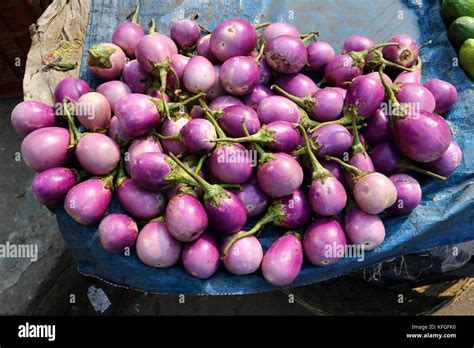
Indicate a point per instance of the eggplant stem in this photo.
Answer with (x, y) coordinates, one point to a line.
(411, 166)
(166, 137)
(261, 152)
(353, 170)
(202, 27)
(343, 121)
(357, 146)
(152, 26)
(201, 182)
(260, 53)
(135, 14)
(424, 45)
(121, 177)
(385, 44)
(309, 36)
(210, 118)
(269, 216)
(261, 25)
(108, 179)
(244, 127)
(317, 167)
(74, 134)
(176, 77)
(200, 163)
(292, 97)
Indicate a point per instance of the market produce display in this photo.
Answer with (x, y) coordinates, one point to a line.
(198, 131)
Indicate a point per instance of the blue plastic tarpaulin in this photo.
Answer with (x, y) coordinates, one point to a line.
(445, 215)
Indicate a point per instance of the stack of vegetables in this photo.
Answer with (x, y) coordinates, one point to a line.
(197, 133)
(459, 14)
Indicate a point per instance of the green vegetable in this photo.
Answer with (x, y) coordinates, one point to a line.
(466, 57)
(461, 30)
(452, 9)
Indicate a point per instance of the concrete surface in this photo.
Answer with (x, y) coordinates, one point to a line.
(23, 221)
(52, 285)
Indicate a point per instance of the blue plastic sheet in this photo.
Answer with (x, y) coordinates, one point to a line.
(445, 215)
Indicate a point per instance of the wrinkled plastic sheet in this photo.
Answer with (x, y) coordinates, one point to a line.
(445, 215)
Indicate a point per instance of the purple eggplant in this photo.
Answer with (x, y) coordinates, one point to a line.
(185, 33)
(201, 257)
(117, 232)
(259, 93)
(421, 136)
(199, 75)
(244, 257)
(279, 174)
(254, 199)
(373, 192)
(156, 247)
(113, 91)
(405, 54)
(298, 85)
(276, 29)
(408, 194)
(136, 78)
(416, 96)
(97, 153)
(388, 160)
(71, 88)
(31, 115)
(357, 43)
(170, 127)
(231, 38)
(155, 170)
(290, 212)
(106, 61)
(226, 211)
(333, 139)
(46, 148)
(198, 136)
(378, 128)
(326, 195)
(51, 186)
(444, 93)
(449, 161)
(93, 111)
(277, 108)
(320, 53)
(324, 241)
(364, 229)
(137, 114)
(286, 54)
(186, 217)
(139, 146)
(239, 75)
(127, 35)
(364, 96)
(231, 163)
(142, 204)
(203, 48)
(282, 262)
(88, 201)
